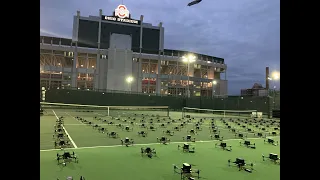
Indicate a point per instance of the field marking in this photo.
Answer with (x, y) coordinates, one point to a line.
(94, 147)
(101, 114)
(71, 140)
(82, 124)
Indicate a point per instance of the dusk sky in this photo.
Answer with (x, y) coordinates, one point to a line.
(246, 33)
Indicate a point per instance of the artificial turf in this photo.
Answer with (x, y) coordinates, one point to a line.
(119, 162)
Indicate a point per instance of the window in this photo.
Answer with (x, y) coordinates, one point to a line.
(68, 54)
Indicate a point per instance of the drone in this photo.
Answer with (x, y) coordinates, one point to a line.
(164, 140)
(59, 135)
(194, 2)
(248, 144)
(127, 128)
(223, 146)
(142, 133)
(95, 126)
(240, 163)
(273, 158)
(186, 172)
(66, 157)
(198, 127)
(58, 131)
(189, 139)
(192, 131)
(60, 120)
(186, 148)
(271, 141)
(61, 143)
(240, 135)
(168, 132)
(102, 130)
(217, 137)
(113, 134)
(148, 152)
(127, 142)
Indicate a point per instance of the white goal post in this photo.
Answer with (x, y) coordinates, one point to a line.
(220, 113)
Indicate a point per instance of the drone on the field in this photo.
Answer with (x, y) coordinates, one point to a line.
(186, 172)
(61, 143)
(148, 152)
(66, 157)
(60, 120)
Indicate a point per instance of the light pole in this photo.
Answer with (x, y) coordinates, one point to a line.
(188, 59)
(129, 80)
(214, 82)
(275, 76)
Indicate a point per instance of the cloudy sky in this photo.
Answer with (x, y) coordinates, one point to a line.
(246, 33)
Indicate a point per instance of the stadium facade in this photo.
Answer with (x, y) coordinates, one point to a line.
(105, 50)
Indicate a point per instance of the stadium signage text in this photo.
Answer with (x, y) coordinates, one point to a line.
(121, 14)
(117, 19)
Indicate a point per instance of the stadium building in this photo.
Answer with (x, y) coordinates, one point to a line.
(123, 54)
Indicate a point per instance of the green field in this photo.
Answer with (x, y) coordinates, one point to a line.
(102, 157)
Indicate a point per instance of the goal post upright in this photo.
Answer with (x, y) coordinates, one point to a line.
(222, 113)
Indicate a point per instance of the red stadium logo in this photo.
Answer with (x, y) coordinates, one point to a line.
(122, 11)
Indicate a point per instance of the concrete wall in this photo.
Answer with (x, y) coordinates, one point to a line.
(119, 68)
(119, 62)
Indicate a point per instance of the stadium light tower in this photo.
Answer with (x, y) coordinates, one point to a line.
(129, 80)
(275, 75)
(188, 59)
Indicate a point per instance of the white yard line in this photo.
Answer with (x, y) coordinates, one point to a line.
(94, 147)
(101, 114)
(71, 140)
(81, 123)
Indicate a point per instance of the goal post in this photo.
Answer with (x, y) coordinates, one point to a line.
(162, 111)
(197, 112)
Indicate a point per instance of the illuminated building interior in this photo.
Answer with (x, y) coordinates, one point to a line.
(56, 71)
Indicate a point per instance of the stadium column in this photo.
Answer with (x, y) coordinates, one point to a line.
(158, 81)
(75, 55)
(139, 76)
(98, 64)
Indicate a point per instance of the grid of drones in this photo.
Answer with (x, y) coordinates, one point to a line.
(167, 126)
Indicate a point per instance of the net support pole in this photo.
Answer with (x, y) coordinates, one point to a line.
(108, 111)
(168, 112)
(182, 113)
